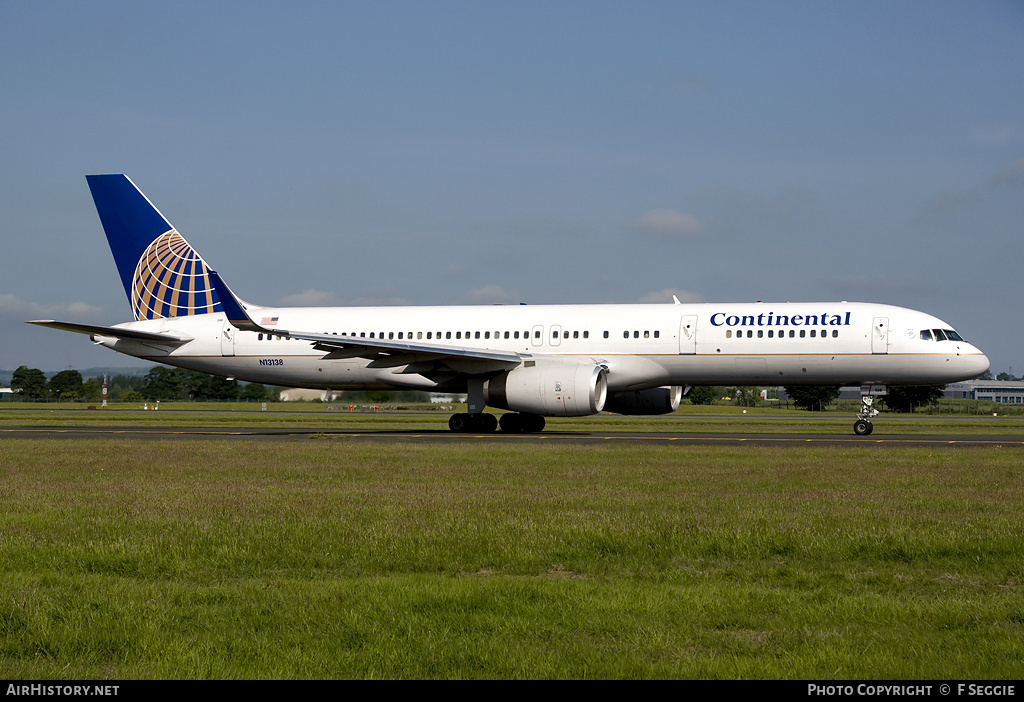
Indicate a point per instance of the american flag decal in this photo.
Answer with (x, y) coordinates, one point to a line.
(268, 321)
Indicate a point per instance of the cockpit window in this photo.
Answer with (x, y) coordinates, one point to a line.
(940, 335)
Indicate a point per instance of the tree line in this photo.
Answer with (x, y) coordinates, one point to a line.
(815, 398)
(162, 383)
(159, 383)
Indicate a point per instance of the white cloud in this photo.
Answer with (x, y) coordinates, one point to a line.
(1010, 177)
(666, 296)
(668, 221)
(951, 203)
(492, 295)
(999, 135)
(311, 298)
(14, 306)
(322, 298)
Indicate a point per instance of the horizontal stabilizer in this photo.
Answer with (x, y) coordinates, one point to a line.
(116, 332)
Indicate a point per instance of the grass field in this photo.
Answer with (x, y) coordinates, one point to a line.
(689, 418)
(328, 558)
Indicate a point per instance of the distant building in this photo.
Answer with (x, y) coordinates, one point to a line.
(441, 398)
(1006, 391)
(304, 394)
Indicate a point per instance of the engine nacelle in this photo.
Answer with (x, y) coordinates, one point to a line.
(550, 390)
(654, 401)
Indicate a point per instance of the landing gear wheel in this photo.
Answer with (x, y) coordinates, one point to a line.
(468, 423)
(513, 423)
(862, 427)
(533, 423)
(486, 423)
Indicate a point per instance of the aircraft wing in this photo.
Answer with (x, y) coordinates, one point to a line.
(382, 353)
(350, 347)
(116, 332)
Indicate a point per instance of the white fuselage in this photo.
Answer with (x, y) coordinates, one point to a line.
(642, 346)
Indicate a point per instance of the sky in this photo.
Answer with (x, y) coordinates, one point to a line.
(480, 152)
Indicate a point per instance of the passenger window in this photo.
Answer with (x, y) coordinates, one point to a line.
(515, 335)
(476, 335)
(399, 335)
(447, 335)
(835, 333)
(458, 335)
(647, 334)
(586, 335)
(814, 333)
(760, 333)
(803, 333)
(657, 334)
(606, 335)
(575, 335)
(636, 334)
(536, 334)
(728, 333)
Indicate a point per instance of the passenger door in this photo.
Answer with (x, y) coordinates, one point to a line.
(688, 334)
(880, 335)
(227, 339)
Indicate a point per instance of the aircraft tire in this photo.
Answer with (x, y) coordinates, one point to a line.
(520, 423)
(862, 427)
(511, 423)
(486, 423)
(532, 423)
(468, 423)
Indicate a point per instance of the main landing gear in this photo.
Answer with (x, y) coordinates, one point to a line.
(476, 422)
(863, 426)
(511, 423)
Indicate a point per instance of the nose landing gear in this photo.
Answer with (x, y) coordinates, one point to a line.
(863, 426)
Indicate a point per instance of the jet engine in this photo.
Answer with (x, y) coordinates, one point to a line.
(551, 390)
(654, 401)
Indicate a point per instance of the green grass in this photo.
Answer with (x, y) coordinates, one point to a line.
(314, 416)
(330, 558)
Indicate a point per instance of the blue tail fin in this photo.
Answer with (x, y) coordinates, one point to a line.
(162, 275)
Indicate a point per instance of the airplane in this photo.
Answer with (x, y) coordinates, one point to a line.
(534, 361)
